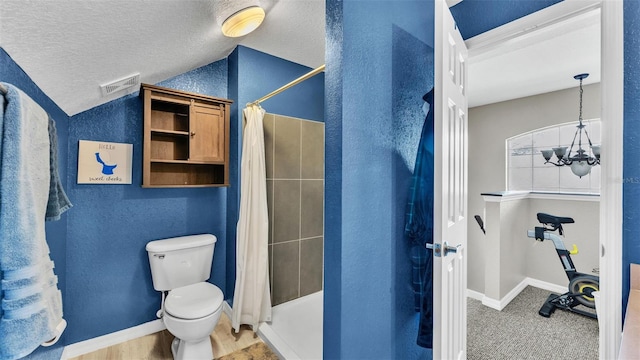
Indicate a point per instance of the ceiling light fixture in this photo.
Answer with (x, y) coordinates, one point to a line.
(243, 22)
(581, 163)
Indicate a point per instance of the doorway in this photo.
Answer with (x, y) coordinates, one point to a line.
(568, 13)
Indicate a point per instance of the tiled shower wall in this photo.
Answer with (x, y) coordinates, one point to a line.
(294, 154)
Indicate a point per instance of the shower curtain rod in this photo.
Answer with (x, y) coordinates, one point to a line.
(291, 84)
(3, 90)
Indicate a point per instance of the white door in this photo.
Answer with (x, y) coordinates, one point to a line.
(450, 189)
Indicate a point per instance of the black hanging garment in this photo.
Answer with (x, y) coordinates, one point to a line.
(419, 228)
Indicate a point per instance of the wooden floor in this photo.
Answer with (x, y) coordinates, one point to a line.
(157, 346)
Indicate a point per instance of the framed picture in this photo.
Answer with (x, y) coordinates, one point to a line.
(102, 162)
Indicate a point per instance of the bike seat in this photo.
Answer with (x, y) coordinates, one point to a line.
(553, 220)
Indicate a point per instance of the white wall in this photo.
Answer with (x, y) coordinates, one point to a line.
(489, 126)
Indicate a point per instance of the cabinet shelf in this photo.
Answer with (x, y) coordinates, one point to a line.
(167, 161)
(169, 132)
(186, 139)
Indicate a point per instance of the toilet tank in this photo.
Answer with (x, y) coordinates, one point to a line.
(180, 261)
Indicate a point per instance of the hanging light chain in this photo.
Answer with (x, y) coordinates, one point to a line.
(583, 129)
(580, 127)
(580, 111)
(582, 158)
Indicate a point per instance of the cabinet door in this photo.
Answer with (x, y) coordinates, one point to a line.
(207, 134)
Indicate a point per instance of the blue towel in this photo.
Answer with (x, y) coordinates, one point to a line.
(31, 304)
(58, 200)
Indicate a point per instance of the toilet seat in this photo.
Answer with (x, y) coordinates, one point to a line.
(193, 301)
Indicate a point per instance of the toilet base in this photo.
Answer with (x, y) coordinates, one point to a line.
(200, 350)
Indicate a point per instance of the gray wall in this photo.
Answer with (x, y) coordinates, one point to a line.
(512, 257)
(294, 154)
(584, 233)
(508, 265)
(489, 127)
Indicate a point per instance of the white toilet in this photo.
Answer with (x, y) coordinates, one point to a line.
(193, 306)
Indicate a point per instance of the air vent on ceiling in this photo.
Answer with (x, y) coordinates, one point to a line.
(129, 81)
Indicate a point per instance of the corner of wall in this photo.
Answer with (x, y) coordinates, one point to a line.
(332, 331)
(233, 193)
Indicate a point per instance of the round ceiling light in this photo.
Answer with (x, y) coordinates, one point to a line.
(243, 22)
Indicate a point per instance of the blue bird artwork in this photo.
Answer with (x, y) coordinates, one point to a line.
(106, 169)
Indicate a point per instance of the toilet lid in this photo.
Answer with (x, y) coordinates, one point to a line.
(193, 301)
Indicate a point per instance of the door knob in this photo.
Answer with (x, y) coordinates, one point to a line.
(450, 249)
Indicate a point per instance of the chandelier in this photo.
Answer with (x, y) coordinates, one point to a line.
(580, 161)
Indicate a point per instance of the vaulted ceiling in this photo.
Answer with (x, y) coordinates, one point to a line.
(71, 47)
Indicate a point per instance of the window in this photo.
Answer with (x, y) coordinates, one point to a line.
(526, 170)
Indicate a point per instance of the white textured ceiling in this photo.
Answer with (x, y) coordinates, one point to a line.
(70, 47)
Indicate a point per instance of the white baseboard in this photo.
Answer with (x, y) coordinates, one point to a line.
(475, 294)
(547, 286)
(101, 342)
(500, 304)
(226, 308)
(492, 303)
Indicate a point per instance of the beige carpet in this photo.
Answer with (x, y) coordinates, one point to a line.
(518, 332)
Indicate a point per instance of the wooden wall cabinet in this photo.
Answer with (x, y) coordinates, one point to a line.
(186, 139)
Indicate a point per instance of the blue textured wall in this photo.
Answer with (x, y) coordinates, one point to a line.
(333, 267)
(233, 193)
(253, 74)
(366, 263)
(109, 284)
(413, 64)
(631, 175)
(56, 231)
(99, 251)
(259, 74)
(361, 283)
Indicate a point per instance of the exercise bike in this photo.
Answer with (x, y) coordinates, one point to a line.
(581, 286)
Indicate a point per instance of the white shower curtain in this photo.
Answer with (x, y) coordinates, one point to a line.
(251, 299)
